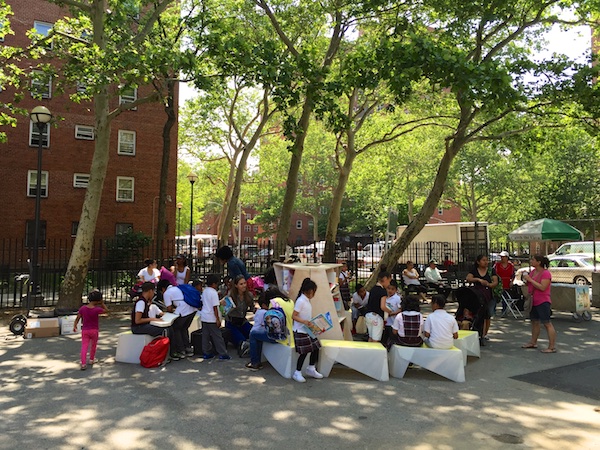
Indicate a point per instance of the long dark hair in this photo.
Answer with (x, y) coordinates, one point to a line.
(383, 273)
(235, 295)
(544, 261)
(307, 285)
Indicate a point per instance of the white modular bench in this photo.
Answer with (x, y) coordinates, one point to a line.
(130, 346)
(447, 363)
(369, 358)
(468, 343)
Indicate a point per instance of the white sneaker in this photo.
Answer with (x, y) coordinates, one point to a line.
(311, 371)
(298, 377)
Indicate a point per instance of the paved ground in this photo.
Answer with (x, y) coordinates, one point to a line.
(47, 402)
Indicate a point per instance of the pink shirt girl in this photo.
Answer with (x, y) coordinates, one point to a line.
(538, 296)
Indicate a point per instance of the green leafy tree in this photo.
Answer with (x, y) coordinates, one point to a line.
(104, 45)
(481, 55)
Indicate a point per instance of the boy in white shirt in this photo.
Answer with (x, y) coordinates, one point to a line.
(173, 299)
(392, 308)
(440, 328)
(210, 320)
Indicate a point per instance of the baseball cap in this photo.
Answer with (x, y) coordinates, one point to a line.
(504, 253)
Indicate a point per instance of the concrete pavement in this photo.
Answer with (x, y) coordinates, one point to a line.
(47, 402)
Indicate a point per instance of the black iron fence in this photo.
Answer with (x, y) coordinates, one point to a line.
(115, 263)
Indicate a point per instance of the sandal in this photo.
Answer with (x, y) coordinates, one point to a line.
(529, 345)
(83, 367)
(548, 350)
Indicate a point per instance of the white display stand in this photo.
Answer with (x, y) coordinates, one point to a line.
(289, 280)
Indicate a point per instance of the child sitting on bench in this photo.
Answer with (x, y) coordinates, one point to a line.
(440, 328)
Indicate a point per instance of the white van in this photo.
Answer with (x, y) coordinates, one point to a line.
(580, 248)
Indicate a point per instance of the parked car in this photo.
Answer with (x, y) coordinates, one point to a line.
(566, 269)
(579, 248)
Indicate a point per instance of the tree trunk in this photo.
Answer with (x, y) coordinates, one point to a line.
(164, 169)
(291, 186)
(229, 207)
(390, 258)
(71, 290)
(315, 217)
(336, 204)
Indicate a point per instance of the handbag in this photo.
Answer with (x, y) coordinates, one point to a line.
(361, 325)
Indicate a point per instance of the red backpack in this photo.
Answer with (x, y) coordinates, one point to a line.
(155, 353)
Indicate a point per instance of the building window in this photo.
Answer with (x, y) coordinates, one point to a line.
(81, 87)
(31, 183)
(311, 224)
(248, 216)
(84, 132)
(247, 240)
(125, 187)
(2, 30)
(128, 95)
(81, 180)
(247, 228)
(43, 29)
(323, 210)
(126, 143)
(74, 228)
(255, 228)
(41, 85)
(30, 234)
(440, 211)
(34, 135)
(298, 224)
(123, 228)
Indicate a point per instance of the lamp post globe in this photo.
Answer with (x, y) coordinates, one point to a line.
(192, 177)
(40, 116)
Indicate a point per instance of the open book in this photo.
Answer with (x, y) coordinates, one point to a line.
(167, 320)
(320, 324)
(228, 305)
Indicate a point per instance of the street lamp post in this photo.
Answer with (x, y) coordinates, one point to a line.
(192, 177)
(179, 206)
(40, 116)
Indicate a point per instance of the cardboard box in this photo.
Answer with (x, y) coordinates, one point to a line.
(36, 328)
(66, 324)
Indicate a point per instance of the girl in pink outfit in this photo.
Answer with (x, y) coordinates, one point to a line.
(89, 330)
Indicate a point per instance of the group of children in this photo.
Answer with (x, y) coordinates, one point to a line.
(390, 320)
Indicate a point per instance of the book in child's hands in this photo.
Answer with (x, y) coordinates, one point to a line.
(319, 324)
(228, 306)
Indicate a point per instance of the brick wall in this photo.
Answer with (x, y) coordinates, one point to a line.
(67, 155)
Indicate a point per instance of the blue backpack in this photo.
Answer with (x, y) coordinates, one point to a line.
(275, 324)
(191, 295)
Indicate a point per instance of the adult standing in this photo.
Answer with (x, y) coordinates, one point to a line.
(484, 279)
(539, 283)
(506, 272)
(374, 316)
(434, 279)
(150, 272)
(175, 303)
(235, 266)
(180, 270)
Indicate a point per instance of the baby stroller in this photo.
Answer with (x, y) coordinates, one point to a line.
(474, 301)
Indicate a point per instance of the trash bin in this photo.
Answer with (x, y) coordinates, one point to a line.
(572, 298)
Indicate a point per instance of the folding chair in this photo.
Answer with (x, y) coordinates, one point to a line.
(511, 305)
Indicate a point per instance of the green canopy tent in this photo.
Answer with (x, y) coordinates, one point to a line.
(546, 230)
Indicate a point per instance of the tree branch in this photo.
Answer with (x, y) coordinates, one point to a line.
(262, 4)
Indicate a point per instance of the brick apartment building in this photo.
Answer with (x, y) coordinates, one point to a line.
(131, 188)
(301, 230)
